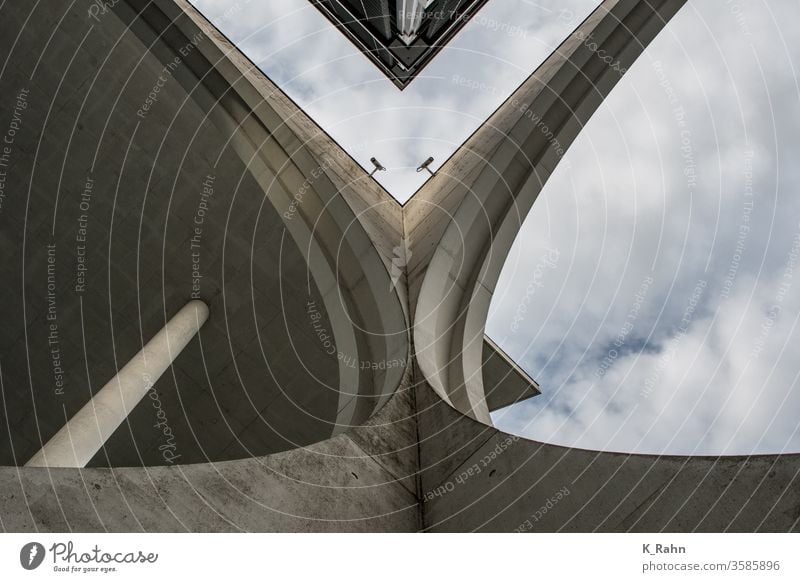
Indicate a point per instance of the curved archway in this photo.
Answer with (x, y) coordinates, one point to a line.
(489, 186)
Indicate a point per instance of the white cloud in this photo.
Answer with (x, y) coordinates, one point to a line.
(625, 211)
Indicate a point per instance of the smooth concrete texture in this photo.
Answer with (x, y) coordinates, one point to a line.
(497, 482)
(347, 483)
(143, 184)
(506, 382)
(134, 188)
(481, 196)
(279, 434)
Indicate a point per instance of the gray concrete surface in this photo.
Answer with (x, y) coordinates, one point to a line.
(170, 208)
(497, 482)
(275, 432)
(490, 184)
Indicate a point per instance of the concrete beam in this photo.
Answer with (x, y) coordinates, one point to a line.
(87, 431)
(506, 383)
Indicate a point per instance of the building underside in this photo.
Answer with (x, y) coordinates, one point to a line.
(337, 385)
(399, 36)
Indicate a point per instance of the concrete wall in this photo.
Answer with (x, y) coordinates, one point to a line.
(410, 460)
(259, 378)
(364, 480)
(483, 479)
(135, 127)
(493, 481)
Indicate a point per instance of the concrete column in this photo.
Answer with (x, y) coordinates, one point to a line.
(86, 432)
(463, 222)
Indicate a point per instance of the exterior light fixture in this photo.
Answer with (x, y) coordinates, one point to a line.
(424, 166)
(378, 166)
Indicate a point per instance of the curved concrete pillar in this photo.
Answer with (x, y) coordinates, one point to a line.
(489, 186)
(276, 142)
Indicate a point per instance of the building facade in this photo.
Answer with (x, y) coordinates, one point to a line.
(333, 383)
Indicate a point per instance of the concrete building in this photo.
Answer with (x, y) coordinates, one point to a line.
(214, 320)
(401, 36)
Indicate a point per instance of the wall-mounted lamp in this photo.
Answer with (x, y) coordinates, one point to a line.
(424, 166)
(378, 166)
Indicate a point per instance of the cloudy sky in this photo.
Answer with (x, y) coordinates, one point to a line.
(654, 291)
(298, 48)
